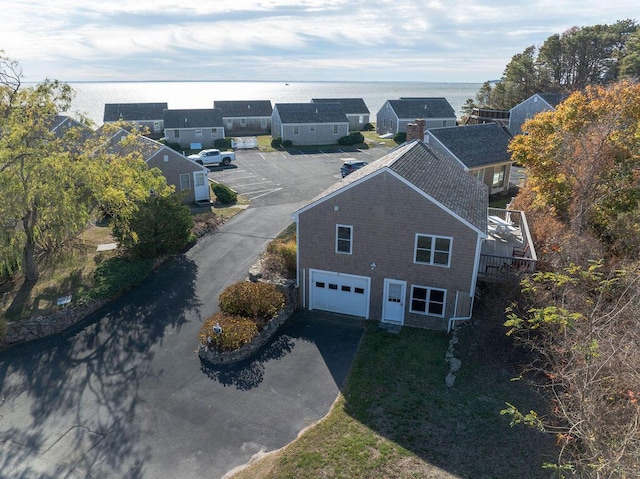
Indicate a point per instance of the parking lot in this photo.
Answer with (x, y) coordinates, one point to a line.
(285, 177)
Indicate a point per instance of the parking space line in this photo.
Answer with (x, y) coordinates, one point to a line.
(268, 192)
(257, 183)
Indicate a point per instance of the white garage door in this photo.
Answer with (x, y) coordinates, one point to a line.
(339, 293)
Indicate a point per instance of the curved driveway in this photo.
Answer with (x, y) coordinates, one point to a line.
(124, 395)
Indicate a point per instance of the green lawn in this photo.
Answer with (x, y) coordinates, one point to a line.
(397, 419)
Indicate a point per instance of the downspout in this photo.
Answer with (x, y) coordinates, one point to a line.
(454, 318)
(474, 282)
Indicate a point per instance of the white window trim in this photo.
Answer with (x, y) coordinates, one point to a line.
(338, 226)
(296, 130)
(428, 300)
(433, 250)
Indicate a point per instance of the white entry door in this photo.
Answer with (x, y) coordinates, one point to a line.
(393, 301)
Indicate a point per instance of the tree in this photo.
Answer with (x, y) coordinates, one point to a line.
(50, 183)
(568, 62)
(630, 67)
(161, 225)
(583, 160)
(581, 328)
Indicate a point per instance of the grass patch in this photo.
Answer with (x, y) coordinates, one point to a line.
(396, 419)
(373, 139)
(71, 274)
(225, 212)
(264, 143)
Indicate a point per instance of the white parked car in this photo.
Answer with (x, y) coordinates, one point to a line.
(213, 157)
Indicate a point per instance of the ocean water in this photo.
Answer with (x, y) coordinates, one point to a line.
(92, 96)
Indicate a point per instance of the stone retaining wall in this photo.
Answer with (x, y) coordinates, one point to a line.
(36, 328)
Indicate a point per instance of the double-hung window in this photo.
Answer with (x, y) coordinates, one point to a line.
(429, 301)
(185, 181)
(296, 130)
(344, 239)
(434, 250)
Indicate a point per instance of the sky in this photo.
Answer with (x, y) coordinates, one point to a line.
(285, 40)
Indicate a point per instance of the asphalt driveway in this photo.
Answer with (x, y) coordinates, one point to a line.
(124, 394)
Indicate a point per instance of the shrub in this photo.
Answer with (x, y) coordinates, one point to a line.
(400, 137)
(345, 140)
(260, 301)
(368, 127)
(356, 137)
(353, 138)
(286, 250)
(287, 143)
(276, 142)
(224, 194)
(236, 331)
(223, 143)
(116, 275)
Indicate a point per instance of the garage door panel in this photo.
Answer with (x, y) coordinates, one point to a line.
(339, 293)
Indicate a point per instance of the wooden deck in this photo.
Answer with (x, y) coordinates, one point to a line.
(508, 249)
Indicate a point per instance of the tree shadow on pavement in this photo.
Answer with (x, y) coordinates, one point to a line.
(67, 402)
(336, 342)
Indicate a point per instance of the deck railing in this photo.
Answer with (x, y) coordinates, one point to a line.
(495, 267)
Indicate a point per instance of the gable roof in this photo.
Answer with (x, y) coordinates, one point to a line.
(430, 172)
(193, 118)
(350, 105)
(133, 111)
(553, 99)
(244, 109)
(147, 147)
(412, 108)
(475, 145)
(311, 113)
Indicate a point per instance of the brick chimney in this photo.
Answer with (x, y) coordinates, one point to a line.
(415, 131)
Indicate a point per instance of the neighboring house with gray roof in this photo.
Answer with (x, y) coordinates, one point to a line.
(193, 129)
(189, 178)
(482, 150)
(355, 109)
(309, 123)
(394, 116)
(530, 107)
(246, 118)
(145, 115)
(397, 241)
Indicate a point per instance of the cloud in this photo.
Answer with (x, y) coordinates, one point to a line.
(455, 40)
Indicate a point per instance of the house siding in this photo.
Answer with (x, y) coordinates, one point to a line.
(252, 126)
(323, 134)
(187, 136)
(175, 166)
(391, 247)
(525, 110)
(386, 120)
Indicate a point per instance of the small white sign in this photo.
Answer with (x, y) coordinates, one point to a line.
(64, 300)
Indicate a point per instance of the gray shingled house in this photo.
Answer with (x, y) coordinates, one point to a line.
(482, 150)
(355, 109)
(246, 118)
(188, 177)
(309, 123)
(394, 116)
(193, 129)
(531, 107)
(148, 115)
(398, 240)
